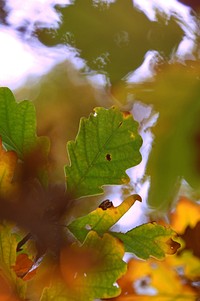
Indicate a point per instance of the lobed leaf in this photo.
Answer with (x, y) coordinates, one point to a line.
(18, 124)
(91, 271)
(149, 240)
(106, 145)
(186, 213)
(101, 220)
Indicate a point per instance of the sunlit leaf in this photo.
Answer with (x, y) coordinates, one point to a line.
(101, 220)
(106, 145)
(186, 213)
(153, 280)
(91, 271)
(18, 124)
(185, 220)
(188, 263)
(8, 160)
(149, 240)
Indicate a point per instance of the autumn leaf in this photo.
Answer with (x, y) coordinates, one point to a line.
(101, 220)
(57, 292)
(186, 213)
(6, 292)
(8, 161)
(89, 271)
(153, 280)
(149, 240)
(185, 220)
(23, 266)
(8, 245)
(93, 270)
(189, 264)
(106, 145)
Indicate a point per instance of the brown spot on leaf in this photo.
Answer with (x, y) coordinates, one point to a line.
(126, 114)
(108, 157)
(173, 246)
(106, 204)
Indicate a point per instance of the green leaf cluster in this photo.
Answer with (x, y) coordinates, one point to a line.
(107, 144)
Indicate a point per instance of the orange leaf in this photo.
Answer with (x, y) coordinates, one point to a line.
(23, 266)
(153, 279)
(187, 213)
(8, 160)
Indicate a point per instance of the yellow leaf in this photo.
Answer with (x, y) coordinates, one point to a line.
(101, 219)
(187, 213)
(8, 160)
(189, 264)
(153, 280)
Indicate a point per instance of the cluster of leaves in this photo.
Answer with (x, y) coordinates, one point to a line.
(174, 93)
(176, 277)
(45, 254)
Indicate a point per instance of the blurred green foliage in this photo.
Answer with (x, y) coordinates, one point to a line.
(112, 38)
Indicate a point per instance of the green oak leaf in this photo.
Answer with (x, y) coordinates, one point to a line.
(106, 145)
(8, 245)
(101, 220)
(18, 124)
(89, 271)
(149, 240)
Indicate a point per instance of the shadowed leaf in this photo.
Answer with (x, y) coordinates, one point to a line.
(92, 270)
(128, 37)
(88, 271)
